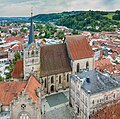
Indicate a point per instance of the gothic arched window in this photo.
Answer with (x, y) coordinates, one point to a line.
(60, 79)
(45, 83)
(24, 115)
(67, 77)
(36, 53)
(78, 67)
(32, 53)
(87, 65)
(52, 79)
(28, 54)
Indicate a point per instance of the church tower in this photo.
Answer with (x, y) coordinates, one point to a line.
(31, 55)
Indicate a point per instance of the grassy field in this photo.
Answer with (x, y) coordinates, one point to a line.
(109, 16)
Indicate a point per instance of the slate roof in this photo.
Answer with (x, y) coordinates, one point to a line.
(98, 82)
(10, 90)
(18, 70)
(78, 47)
(54, 60)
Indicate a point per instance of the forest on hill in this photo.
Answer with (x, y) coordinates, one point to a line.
(84, 20)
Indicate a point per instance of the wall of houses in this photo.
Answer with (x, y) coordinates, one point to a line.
(79, 100)
(85, 104)
(97, 101)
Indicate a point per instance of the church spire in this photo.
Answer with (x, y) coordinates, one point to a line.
(31, 34)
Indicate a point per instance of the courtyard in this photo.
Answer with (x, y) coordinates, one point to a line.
(56, 106)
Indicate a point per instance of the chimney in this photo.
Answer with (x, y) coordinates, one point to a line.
(88, 80)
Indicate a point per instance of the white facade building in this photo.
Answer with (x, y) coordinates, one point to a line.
(91, 91)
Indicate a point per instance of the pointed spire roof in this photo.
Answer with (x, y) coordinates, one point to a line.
(31, 34)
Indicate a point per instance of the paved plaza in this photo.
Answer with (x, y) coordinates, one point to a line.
(56, 106)
(56, 99)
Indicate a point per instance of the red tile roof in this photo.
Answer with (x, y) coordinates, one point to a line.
(10, 90)
(102, 63)
(18, 70)
(79, 47)
(31, 88)
(17, 47)
(109, 112)
(13, 38)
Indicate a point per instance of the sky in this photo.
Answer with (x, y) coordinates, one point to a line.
(23, 7)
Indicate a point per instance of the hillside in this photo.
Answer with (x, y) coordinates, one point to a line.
(83, 20)
(53, 16)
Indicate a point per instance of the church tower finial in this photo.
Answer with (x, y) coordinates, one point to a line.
(31, 34)
(31, 11)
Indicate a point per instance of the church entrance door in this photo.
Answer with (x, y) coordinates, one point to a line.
(52, 88)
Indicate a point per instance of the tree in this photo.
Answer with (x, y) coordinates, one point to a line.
(60, 35)
(1, 78)
(11, 66)
(16, 57)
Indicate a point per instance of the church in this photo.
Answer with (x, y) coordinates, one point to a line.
(52, 64)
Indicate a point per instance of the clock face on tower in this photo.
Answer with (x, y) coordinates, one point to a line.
(32, 46)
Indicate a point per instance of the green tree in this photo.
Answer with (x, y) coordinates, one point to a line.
(11, 66)
(1, 78)
(60, 35)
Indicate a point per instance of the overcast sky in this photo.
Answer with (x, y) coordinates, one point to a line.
(22, 7)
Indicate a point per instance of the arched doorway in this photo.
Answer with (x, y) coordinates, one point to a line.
(78, 67)
(52, 88)
(87, 65)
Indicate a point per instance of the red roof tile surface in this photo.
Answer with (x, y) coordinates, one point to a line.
(109, 112)
(102, 63)
(17, 47)
(31, 88)
(13, 38)
(10, 90)
(18, 70)
(79, 47)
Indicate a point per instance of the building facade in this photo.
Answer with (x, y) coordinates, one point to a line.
(21, 99)
(91, 91)
(52, 64)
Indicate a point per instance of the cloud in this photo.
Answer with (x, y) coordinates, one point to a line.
(22, 7)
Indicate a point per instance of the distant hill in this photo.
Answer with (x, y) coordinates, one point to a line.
(13, 19)
(83, 20)
(52, 17)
